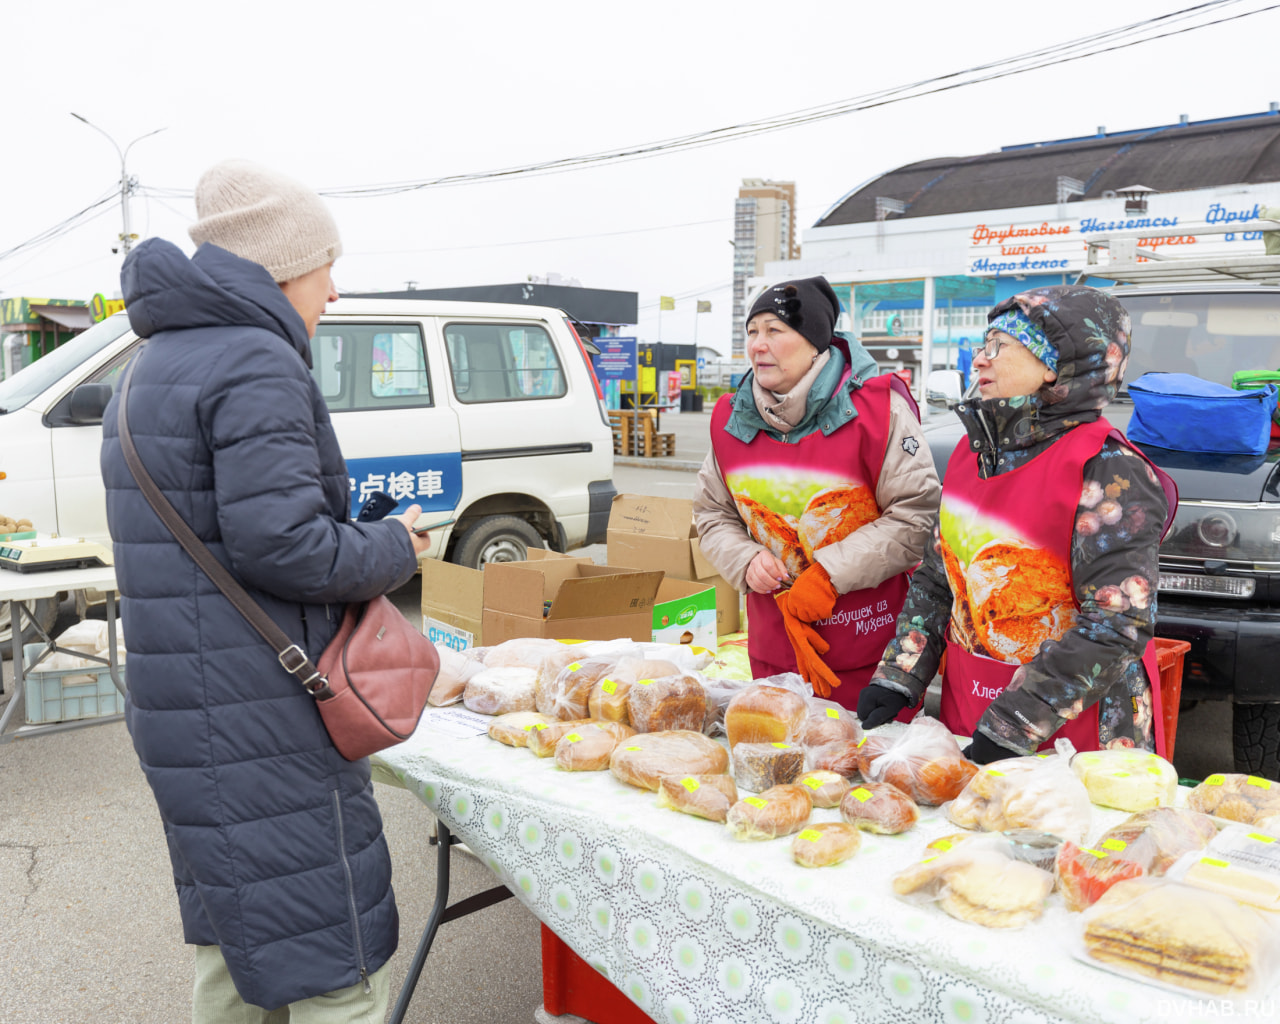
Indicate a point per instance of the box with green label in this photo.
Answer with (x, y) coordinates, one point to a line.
(684, 612)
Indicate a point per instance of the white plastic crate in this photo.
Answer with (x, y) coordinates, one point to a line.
(65, 695)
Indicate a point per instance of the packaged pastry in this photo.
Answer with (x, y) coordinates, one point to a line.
(543, 738)
(826, 788)
(520, 653)
(841, 757)
(1247, 846)
(765, 714)
(705, 796)
(565, 695)
(1255, 886)
(979, 880)
(608, 699)
(879, 807)
(760, 766)
(1177, 934)
(455, 669)
(775, 812)
(1039, 792)
(643, 759)
(1244, 798)
(870, 747)
(666, 702)
(1146, 843)
(827, 722)
(499, 691)
(924, 762)
(822, 845)
(585, 749)
(513, 729)
(1126, 779)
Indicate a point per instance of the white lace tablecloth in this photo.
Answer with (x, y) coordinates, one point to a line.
(697, 928)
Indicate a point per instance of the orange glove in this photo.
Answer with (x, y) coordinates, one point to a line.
(808, 646)
(813, 598)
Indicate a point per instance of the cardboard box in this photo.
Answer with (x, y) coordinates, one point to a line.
(452, 604)
(658, 533)
(685, 613)
(561, 598)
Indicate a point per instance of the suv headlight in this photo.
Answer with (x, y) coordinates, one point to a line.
(1244, 536)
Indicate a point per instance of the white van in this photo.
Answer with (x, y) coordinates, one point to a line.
(485, 414)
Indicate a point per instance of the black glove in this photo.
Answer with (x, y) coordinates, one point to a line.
(984, 750)
(879, 704)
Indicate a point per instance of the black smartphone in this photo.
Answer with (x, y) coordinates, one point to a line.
(378, 505)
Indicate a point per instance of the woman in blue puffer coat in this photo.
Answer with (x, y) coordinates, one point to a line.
(282, 872)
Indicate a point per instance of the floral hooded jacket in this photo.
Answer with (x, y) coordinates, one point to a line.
(1119, 524)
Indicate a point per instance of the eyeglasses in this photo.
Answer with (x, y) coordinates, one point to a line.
(992, 346)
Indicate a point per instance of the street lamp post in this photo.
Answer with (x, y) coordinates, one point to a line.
(126, 183)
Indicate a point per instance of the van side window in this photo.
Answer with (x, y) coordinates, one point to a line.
(503, 362)
(370, 366)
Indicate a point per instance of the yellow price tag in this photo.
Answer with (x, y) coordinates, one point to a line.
(1253, 780)
(645, 682)
(781, 746)
(573, 737)
(1213, 862)
(1096, 853)
(1262, 837)
(1122, 775)
(812, 782)
(575, 667)
(811, 834)
(928, 860)
(860, 742)
(1114, 844)
(755, 801)
(995, 771)
(630, 748)
(540, 726)
(833, 713)
(862, 795)
(609, 686)
(691, 784)
(527, 728)
(1215, 780)
(941, 844)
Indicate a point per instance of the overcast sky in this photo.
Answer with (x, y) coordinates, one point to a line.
(339, 94)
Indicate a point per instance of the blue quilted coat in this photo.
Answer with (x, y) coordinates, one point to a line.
(276, 841)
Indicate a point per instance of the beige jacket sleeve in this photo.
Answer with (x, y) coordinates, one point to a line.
(722, 534)
(907, 493)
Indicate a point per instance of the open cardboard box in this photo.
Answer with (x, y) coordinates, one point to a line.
(452, 603)
(559, 597)
(658, 533)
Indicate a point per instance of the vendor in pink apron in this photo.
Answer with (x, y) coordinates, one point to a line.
(1040, 585)
(818, 495)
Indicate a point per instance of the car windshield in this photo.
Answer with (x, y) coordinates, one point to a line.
(1211, 335)
(30, 381)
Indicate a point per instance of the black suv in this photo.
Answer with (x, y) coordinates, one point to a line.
(1220, 564)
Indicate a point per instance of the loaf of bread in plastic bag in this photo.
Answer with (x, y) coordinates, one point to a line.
(565, 694)
(1033, 792)
(585, 749)
(1126, 779)
(705, 796)
(644, 759)
(514, 729)
(499, 691)
(827, 788)
(543, 738)
(608, 697)
(668, 702)
(779, 811)
(523, 652)
(829, 723)
(841, 757)
(761, 766)
(456, 668)
(825, 844)
(879, 807)
(765, 714)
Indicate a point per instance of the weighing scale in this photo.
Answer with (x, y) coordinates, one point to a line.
(44, 554)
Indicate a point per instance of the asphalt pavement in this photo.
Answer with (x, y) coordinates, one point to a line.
(89, 928)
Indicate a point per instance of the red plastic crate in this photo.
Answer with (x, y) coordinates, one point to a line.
(571, 985)
(1169, 655)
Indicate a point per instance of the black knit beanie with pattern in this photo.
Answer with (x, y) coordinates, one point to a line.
(808, 306)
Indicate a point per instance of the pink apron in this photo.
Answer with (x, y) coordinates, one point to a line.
(1006, 545)
(797, 498)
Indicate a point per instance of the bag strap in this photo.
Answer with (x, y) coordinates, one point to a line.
(291, 657)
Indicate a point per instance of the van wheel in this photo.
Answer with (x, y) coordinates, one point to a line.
(496, 539)
(46, 614)
(1255, 731)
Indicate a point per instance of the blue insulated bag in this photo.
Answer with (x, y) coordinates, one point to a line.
(1190, 414)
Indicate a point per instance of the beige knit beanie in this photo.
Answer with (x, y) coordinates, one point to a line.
(265, 217)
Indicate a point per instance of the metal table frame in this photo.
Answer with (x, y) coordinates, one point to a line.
(17, 589)
(442, 913)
